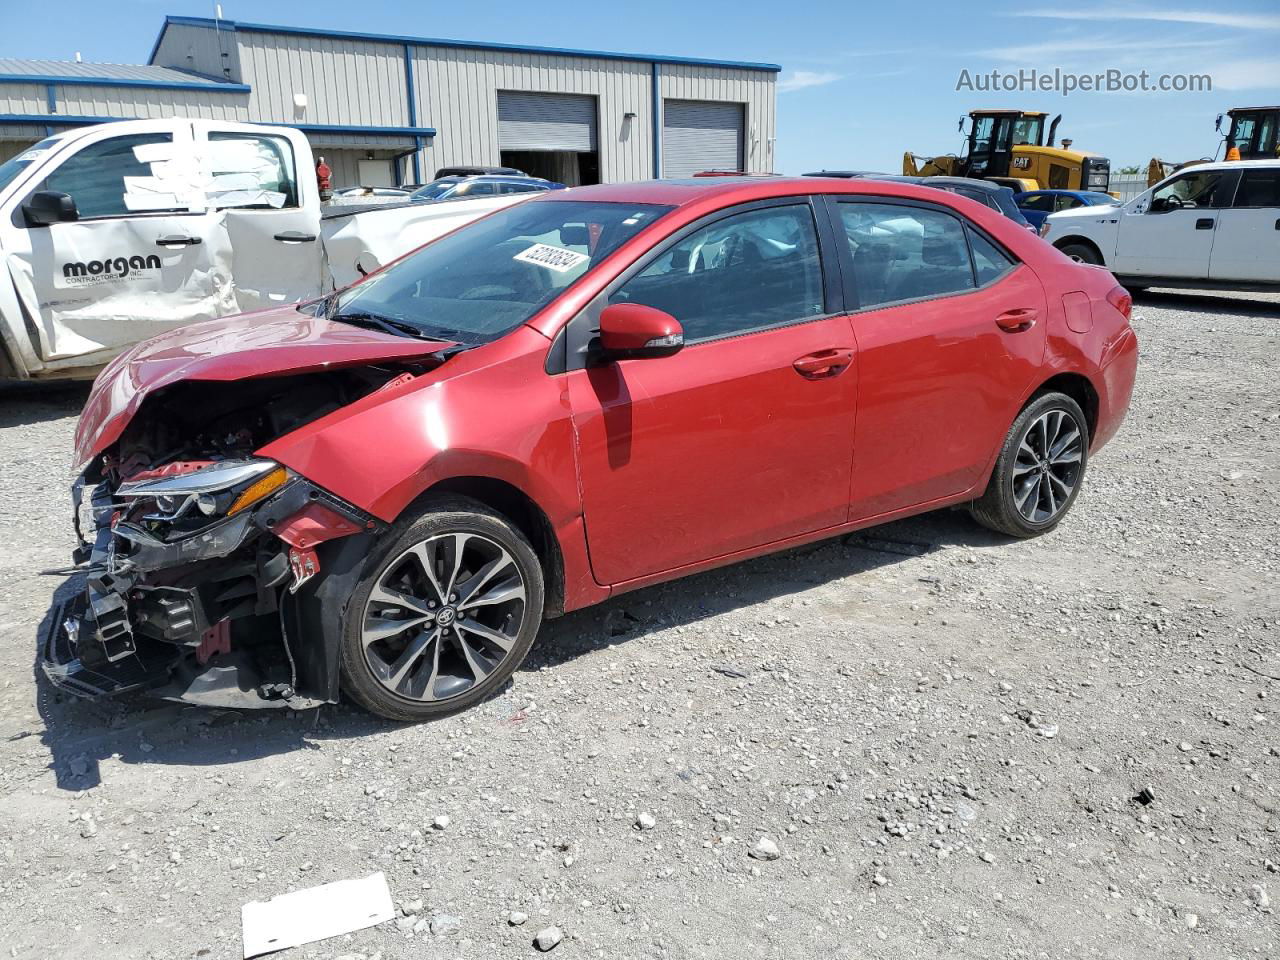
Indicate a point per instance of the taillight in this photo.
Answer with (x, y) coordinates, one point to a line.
(1120, 298)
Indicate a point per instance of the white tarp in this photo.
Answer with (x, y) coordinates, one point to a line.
(363, 242)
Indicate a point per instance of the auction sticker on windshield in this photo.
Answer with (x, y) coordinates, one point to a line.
(553, 258)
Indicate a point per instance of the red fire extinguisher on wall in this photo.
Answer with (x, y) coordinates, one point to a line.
(324, 179)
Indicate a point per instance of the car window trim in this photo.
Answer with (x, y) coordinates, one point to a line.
(572, 347)
(846, 255)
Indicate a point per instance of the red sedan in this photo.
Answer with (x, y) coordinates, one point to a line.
(387, 491)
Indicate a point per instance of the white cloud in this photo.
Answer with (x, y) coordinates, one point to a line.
(1214, 18)
(800, 79)
(1061, 49)
(1245, 74)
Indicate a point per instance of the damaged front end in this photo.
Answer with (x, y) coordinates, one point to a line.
(202, 557)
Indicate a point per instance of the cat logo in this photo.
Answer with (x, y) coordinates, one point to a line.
(1022, 163)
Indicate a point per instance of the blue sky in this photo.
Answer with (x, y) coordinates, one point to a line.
(860, 84)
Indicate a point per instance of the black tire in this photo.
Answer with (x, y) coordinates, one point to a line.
(1009, 505)
(1083, 252)
(414, 540)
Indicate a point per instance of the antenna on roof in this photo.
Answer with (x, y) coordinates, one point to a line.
(217, 11)
(77, 56)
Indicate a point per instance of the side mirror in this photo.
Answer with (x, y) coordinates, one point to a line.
(631, 331)
(48, 206)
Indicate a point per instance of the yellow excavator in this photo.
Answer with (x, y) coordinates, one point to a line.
(1011, 148)
(1254, 134)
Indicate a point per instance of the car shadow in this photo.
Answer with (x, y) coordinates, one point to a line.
(81, 734)
(634, 615)
(1209, 302)
(23, 402)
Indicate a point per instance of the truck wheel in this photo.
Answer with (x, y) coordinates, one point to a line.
(445, 612)
(1082, 252)
(1039, 471)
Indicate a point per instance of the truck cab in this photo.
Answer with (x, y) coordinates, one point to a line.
(112, 233)
(1014, 148)
(1254, 132)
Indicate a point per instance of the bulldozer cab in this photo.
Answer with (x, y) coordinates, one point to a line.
(992, 136)
(1253, 132)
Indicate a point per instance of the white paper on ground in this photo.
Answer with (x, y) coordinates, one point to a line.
(305, 916)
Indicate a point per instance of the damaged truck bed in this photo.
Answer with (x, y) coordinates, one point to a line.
(200, 556)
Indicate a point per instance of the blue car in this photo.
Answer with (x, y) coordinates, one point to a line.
(1038, 204)
(449, 188)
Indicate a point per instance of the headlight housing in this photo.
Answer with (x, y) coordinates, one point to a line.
(221, 490)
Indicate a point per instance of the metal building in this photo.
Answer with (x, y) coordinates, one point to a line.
(385, 110)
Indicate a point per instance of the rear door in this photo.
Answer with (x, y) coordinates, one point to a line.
(140, 258)
(1247, 246)
(950, 330)
(745, 436)
(1172, 233)
(258, 185)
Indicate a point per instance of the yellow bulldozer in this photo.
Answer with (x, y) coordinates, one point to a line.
(1011, 147)
(1254, 134)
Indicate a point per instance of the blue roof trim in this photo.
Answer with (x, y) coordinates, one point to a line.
(56, 119)
(211, 86)
(457, 44)
(60, 119)
(344, 128)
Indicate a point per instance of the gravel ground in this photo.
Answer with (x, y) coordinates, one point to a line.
(921, 742)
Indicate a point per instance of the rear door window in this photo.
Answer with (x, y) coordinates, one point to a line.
(1036, 201)
(1259, 188)
(902, 252)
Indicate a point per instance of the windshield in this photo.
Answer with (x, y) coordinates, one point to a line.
(434, 190)
(487, 278)
(10, 169)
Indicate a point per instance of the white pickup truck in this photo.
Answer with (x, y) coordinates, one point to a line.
(110, 234)
(1211, 226)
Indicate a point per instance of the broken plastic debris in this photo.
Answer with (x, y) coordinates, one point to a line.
(318, 913)
(1145, 796)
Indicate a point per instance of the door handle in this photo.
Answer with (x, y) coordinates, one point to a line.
(1204, 223)
(1278, 224)
(824, 363)
(1015, 321)
(295, 236)
(179, 241)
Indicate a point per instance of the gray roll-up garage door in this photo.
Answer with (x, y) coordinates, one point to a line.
(546, 121)
(700, 135)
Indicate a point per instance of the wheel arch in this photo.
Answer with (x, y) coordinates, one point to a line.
(1083, 241)
(1076, 386)
(524, 512)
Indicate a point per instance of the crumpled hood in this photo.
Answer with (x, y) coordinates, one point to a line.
(272, 342)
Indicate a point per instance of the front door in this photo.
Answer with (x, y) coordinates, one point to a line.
(138, 260)
(1247, 246)
(951, 331)
(744, 437)
(270, 208)
(1170, 233)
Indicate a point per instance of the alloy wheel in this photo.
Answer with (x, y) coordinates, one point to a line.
(1047, 467)
(442, 616)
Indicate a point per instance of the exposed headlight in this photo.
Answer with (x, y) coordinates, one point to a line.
(222, 489)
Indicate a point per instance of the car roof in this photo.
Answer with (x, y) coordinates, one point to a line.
(1230, 165)
(728, 190)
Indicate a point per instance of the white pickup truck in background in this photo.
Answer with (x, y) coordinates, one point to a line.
(113, 233)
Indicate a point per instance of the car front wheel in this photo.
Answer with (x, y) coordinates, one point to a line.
(446, 610)
(1082, 253)
(1039, 471)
